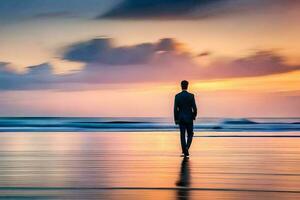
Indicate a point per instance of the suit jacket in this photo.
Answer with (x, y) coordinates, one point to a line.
(185, 109)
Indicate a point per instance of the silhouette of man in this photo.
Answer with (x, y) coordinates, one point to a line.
(185, 111)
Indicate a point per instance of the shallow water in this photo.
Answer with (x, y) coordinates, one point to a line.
(147, 166)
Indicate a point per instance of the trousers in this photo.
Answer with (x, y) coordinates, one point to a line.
(186, 131)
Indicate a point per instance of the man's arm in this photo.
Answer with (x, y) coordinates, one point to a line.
(176, 111)
(194, 108)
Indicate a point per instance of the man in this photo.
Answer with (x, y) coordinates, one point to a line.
(185, 111)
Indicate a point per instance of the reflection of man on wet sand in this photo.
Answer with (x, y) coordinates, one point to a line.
(184, 180)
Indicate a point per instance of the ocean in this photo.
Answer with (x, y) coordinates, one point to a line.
(136, 124)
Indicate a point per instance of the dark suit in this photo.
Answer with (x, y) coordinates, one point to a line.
(185, 111)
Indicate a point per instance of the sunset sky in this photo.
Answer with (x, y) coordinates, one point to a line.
(119, 58)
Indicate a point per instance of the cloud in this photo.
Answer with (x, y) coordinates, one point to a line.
(7, 77)
(166, 54)
(102, 51)
(169, 67)
(188, 9)
(204, 54)
(161, 61)
(156, 9)
(37, 77)
(258, 64)
(3, 65)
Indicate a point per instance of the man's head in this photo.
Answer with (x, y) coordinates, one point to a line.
(184, 85)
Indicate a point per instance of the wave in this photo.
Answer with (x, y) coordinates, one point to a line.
(143, 124)
(244, 121)
(114, 122)
(238, 121)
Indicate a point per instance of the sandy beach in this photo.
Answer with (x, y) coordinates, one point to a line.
(119, 165)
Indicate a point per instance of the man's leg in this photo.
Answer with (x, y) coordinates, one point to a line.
(190, 133)
(182, 127)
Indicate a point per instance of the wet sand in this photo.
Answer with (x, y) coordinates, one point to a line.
(149, 166)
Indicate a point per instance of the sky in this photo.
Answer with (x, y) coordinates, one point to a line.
(126, 58)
